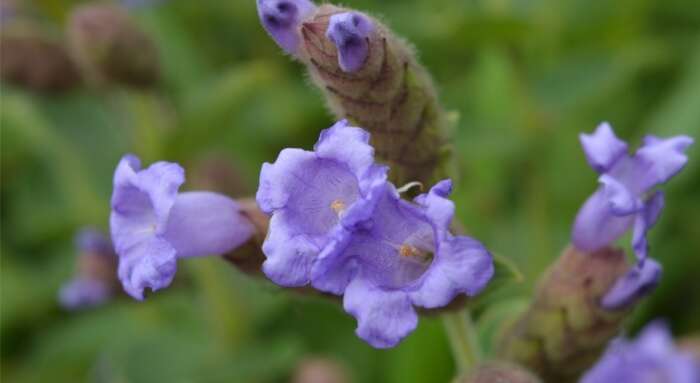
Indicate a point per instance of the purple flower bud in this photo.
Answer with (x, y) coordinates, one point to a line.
(349, 32)
(152, 224)
(282, 20)
(625, 199)
(311, 195)
(404, 256)
(651, 358)
(634, 285)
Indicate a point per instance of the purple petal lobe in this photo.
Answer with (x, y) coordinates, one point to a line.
(636, 284)
(206, 223)
(651, 358)
(602, 148)
(622, 202)
(349, 32)
(464, 267)
(150, 264)
(383, 317)
(661, 159)
(82, 293)
(596, 225)
(289, 255)
(644, 222)
(282, 20)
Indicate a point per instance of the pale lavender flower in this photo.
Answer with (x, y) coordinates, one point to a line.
(153, 225)
(95, 278)
(310, 195)
(282, 20)
(402, 256)
(651, 358)
(349, 32)
(627, 200)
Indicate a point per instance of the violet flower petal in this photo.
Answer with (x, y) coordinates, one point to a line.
(282, 20)
(349, 32)
(661, 159)
(384, 317)
(150, 264)
(596, 226)
(634, 285)
(602, 148)
(652, 357)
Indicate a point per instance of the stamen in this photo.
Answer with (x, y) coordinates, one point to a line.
(338, 206)
(408, 251)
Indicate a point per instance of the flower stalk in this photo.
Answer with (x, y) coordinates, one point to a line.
(463, 339)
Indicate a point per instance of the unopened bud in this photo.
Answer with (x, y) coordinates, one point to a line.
(499, 372)
(565, 328)
(111, 48)
(30, 59)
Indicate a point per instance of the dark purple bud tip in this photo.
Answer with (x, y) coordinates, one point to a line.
(349, 32)
(282, 18)
(633, 286)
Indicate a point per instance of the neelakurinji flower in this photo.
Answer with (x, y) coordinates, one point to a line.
(153, 225)
(349, 32)
(312, 194)
(627, 200)
(95, 281)
(651, 358)
(282, 20)
(402, 256)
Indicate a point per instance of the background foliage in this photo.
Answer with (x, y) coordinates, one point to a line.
(524, 77)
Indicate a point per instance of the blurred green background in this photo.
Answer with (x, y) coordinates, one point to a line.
(525, 77)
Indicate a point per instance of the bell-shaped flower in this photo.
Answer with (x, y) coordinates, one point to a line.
(282, 20)
(402, 256)
(153, 225)
(626, 198)
(651, 358)
(310, 195)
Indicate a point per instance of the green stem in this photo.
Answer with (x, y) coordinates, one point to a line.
(462, 336)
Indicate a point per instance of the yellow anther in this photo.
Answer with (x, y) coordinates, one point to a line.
(338, 206)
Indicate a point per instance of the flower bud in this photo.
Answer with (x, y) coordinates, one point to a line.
(565, 328)
(497, 372)
(32, 60)
(111, 48)
(371, 77)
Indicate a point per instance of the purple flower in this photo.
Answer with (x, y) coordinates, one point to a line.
(83, 292)
(94, 283)
(152, 224)
(311, 195)
(651, 358)
(282, 20)
(402, 256)
(349, 31)
(626, 198)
